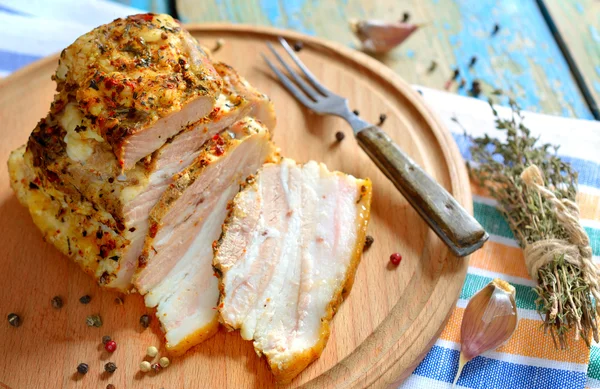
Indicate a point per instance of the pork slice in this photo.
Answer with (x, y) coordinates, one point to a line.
(287, 257)
(138, 81)
(175, 272)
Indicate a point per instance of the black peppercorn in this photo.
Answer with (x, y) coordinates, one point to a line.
(82, 368)
(368, 242)
(405, 17)
(57, 302)
(105, 339)
(14, 320)
(145, 321)
(339, 136)
(110, 367)
(382, 119)
(298, 46)
(355, 112)
(85, 299)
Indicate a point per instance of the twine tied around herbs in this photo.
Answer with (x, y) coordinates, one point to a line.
(576, 250)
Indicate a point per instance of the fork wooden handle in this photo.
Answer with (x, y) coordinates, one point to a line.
(450, 221)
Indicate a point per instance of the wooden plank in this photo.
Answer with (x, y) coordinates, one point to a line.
(522, 58)
(578, 22)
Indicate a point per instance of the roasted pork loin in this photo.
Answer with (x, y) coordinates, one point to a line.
(175, 270)
(287, 257)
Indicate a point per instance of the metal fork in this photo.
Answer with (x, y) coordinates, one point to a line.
(451, 222)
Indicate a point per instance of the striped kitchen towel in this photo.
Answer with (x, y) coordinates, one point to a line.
(35, 28)
(528, 359)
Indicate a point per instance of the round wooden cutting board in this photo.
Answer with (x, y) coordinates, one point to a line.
(381, 332)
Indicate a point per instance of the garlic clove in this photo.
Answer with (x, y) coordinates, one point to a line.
(379, 36)
(489, 320)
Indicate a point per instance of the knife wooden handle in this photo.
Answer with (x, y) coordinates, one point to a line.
(450, 221)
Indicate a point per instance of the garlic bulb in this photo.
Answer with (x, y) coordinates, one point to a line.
(378, 36)
(489, 320)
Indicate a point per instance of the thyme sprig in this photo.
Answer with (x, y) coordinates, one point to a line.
(564, 300)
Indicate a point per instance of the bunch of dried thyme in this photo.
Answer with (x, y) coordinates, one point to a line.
(563, 287)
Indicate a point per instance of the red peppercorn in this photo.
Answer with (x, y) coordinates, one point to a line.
(156, 367)
(395, 258)
(110, 346)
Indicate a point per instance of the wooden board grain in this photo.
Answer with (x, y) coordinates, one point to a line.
(522, 59)
(387, 325)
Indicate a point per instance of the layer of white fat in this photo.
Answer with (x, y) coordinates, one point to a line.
(187, 296)
(192, 305)
(316, 250)
(80, 143)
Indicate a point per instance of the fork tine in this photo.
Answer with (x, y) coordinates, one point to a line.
(310, 91)
(307, 73)
(289, 84)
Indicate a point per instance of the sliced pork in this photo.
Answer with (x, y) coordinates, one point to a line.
(137, 81)
(88, 169)
(175, 270)
(287, 257)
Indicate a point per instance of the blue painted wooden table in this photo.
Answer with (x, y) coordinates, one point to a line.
(523, 58)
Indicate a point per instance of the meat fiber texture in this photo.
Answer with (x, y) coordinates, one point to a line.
(70, 155)
(175, 269)
(287, 257)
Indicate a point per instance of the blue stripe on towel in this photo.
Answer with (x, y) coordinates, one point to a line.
(441, 364)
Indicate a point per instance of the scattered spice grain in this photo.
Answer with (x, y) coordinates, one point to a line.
(110, 346)
(94, 321)
(405, 17)
(395, 259)
(145, 366)
(57, 302)
(145, 321)
(85, 299)
(368, 242)
(105, 339)
(156, 367)
(356, 112)
(110, 367)
(14, 320)
(152, 351)
(110, 386)
(164, 362)
(382, 119)
(82, 368)
(455, 74)
(339, 136)
(298, 46)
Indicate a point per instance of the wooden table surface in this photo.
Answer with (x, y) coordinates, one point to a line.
(523, 58)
